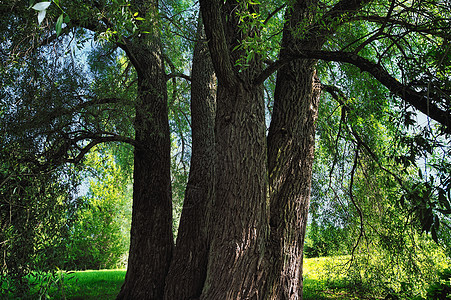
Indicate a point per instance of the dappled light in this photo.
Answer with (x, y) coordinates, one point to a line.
(242, 149)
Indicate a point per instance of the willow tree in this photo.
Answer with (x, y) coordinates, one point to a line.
(250, 191)
(313, 31)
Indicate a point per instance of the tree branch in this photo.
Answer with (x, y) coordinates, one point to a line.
(274, 13)
(442, 32)
(61, 112)
(338, 95)
(98, 140)
(180, 75)
(335, 17)
(351, 196)
(269, 70)
(420, 101)
(217, 42)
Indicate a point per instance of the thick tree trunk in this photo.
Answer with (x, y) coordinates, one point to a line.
(239, 216)
(151, 240)
(188, 269)
(239, 223)
(291, 143)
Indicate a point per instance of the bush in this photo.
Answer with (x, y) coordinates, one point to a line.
(33, 223)
(325, 240)
(441, 289)
(99, 235)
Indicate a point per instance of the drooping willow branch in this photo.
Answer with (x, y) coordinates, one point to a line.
(424, 102)
(351, 196)
(338, 95)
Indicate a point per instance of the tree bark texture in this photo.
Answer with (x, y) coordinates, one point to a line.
(246, 230)
(291, 139)
(151, 240)
(235, 266)
(239, 215)
(291, 143)
(188, 269)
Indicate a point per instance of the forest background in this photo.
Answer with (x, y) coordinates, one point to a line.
(74, 120)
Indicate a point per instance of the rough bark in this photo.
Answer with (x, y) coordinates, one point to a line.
(291, 139)
(291, 143)
(235, 269)
(151, 240)
(239, 213)
(188, 269)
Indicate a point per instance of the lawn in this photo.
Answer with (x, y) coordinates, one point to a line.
(316, 287)
(105, 284)
(91, 284)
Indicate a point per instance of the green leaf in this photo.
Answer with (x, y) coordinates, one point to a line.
(434, 235)
(59, 24)
(139, 19)
(427, 223)
(66, 19)
(442, 199)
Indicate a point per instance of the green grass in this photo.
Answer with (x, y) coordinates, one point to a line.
(319, 285)
(106, 284)
(95, 284)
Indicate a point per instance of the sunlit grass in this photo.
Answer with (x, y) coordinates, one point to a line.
(106, 284)
(320, 284)
(91, 284)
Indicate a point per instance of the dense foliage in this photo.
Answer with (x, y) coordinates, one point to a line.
(99, 234)
(381, 186)
(369, 199)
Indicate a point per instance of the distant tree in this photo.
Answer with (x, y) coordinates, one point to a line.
(100, 233)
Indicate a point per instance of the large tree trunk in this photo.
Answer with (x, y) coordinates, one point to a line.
(188, 269)
(291, 143)
(239, 221)
(291, 140)
(151, 240)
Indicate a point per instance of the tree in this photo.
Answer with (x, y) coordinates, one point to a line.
(250, 222)
(188, 266)
(99, 232)
(151, 231)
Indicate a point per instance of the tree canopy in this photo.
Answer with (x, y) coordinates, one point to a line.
(238, 93)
